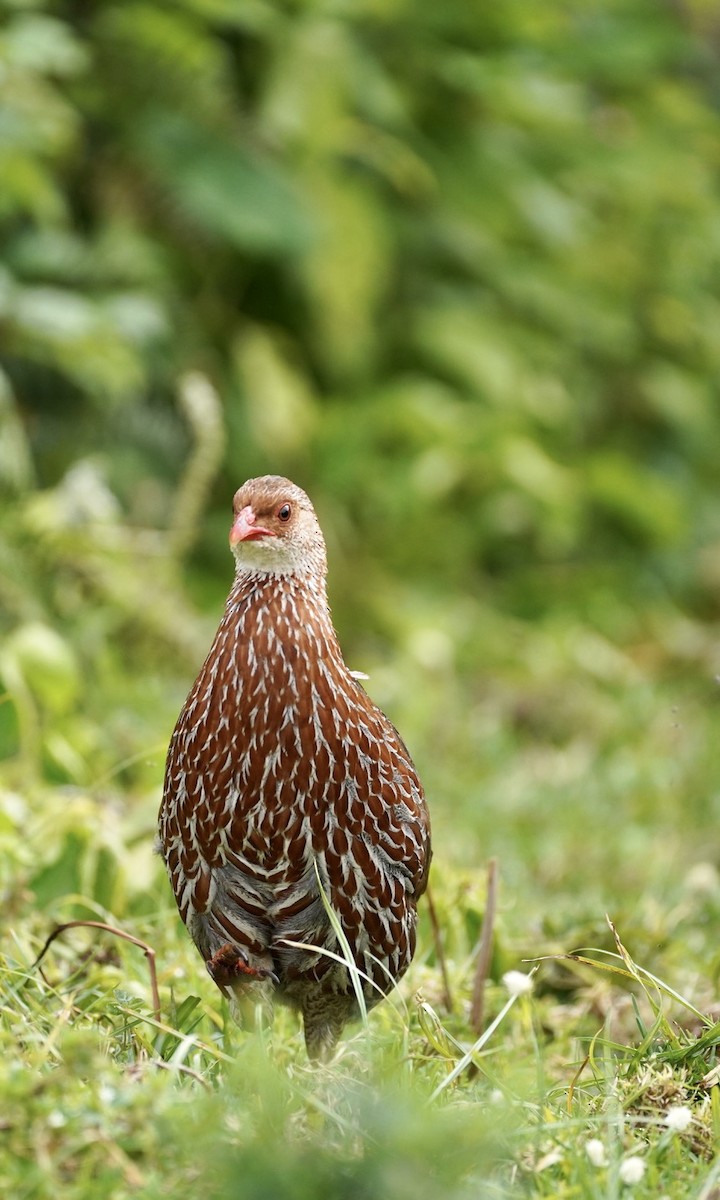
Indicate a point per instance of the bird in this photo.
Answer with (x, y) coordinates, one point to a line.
(293, 825)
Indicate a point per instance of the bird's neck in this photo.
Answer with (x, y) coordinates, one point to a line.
(272, 620)
(279, 592)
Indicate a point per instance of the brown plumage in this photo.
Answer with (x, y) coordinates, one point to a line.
(280, 768)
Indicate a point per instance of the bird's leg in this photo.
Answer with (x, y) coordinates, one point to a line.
(323, 1020)
(229, 966)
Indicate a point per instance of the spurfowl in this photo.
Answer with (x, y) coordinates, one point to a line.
(282, 772)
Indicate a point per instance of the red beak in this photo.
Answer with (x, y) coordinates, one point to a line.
(244, 528)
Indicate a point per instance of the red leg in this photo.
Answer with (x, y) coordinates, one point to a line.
(229, 965)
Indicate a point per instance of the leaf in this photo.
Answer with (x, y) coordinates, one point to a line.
(63, 877)
(280, 404)
(645, 501)
(35, 42)
(221, 186)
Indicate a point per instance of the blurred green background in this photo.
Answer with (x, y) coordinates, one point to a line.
(455, 269)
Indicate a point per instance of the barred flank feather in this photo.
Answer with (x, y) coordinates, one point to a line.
(279, 761)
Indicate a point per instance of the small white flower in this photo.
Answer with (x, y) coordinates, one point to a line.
(702, 877)
(595, 1151)
(517, 983)
(56, 1119)
(678, 1118)
(551, 1159)
(632, 1169)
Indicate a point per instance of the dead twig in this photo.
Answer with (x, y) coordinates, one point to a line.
(128, 937)
(439, 950)
(477, 1009)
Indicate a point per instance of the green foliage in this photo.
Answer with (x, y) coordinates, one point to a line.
(485, 274)
(455, 268)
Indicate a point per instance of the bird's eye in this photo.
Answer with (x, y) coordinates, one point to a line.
(284, 512)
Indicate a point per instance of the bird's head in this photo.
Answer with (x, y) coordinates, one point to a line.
(275, 530)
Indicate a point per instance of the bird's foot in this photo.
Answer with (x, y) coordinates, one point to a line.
(229, 965)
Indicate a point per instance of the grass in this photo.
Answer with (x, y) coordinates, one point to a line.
(612, 809)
